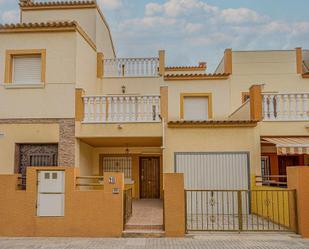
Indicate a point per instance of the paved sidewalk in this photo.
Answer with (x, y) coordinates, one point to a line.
(204, 241)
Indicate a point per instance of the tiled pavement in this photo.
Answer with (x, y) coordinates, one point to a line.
(146, 212)
(205, 241)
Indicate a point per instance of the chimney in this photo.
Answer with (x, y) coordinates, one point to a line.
(24, 2)
(202, 64)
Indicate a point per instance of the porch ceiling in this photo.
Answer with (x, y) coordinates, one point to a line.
(123, 141)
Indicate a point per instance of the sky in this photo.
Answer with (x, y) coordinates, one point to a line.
(191, 31)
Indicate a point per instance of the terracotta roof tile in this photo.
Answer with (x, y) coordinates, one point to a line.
(196, 76)
(203, 123)
(38, 25)
(56, 3)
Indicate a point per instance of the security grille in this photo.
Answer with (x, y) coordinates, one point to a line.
(118, 164)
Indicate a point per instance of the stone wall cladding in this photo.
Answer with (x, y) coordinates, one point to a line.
(66, 146)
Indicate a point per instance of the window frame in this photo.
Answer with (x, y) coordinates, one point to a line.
(206, 95)
(9, 55)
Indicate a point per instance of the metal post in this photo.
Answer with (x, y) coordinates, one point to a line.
(240, 225)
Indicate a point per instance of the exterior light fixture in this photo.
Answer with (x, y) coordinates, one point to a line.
(123, 89)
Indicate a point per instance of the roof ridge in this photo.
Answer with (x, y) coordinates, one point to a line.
(197, 74)
(52, 3)
(39, 24)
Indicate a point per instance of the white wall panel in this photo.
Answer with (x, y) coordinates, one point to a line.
(214, 171)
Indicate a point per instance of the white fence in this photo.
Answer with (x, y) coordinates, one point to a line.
(285, 107)
(131, 67)
(121, 109)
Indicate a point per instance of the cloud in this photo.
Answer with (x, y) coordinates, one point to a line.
(241, 15)
(110, 4)
(193, 27)
(176, 8)
(10, 16)
(203, 31)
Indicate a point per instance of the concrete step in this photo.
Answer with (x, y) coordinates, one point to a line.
(143, 227)
(134, 233)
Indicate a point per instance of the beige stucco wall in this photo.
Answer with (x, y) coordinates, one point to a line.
(56, 98)
(112, 130)
(86, 66)
(243, 139)
(85, 17)
(85, 159)
(142, 85)
(218, 88)
(242, 113)
(284, 128)
(275, 69)
(89, 19)
(23, 133)
(103, 38)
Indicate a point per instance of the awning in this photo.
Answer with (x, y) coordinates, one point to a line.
(290, 145)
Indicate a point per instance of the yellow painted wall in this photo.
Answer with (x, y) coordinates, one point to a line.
(142, 85)
(56, 99)
(284, 128)
(85, 159)
(103, 38)
(273, 203)
(220, 96)
(91, 213)
(86, 66)
(212, 140)
(275, 69)
(23, 133)
(112, 130)
(85, 17)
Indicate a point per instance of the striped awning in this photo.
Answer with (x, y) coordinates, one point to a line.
(290, 145)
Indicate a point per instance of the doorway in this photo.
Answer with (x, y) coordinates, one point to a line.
(150, 177)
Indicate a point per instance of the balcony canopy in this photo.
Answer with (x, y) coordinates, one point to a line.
(289, 145)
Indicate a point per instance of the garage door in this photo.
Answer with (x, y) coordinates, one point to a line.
(214, 171)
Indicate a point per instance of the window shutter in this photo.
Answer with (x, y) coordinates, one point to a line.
(27, 69)
(195, 108)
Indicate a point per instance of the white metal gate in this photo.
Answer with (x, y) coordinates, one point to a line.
(214, 170)
(51, 188)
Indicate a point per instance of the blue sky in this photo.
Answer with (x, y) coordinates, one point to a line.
(198, 30)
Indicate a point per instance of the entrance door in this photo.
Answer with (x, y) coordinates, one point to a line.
(150, 177)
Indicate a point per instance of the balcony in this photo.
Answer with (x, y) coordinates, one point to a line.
(131, 67)
(122, 109)
(285, 107)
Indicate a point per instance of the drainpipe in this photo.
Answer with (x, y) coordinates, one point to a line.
(163, 134)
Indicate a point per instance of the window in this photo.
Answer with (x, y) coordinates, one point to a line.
(118, 164)
(196, 106)
(265, 167)
(25, 66)
(26, 69)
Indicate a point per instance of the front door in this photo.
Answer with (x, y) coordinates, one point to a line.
(150, 177)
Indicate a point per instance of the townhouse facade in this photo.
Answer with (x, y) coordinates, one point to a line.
(68, 103)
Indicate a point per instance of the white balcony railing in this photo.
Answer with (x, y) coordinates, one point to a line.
(285, 107)
(121, 109)
(131, 67)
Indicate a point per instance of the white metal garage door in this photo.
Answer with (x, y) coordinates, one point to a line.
(214, 170)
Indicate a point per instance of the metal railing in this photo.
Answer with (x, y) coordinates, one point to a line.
(121, 109)
(127, 205)
(92, 182)
(131, 67)
(272, 180)
(241, 210)
(285, 107)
